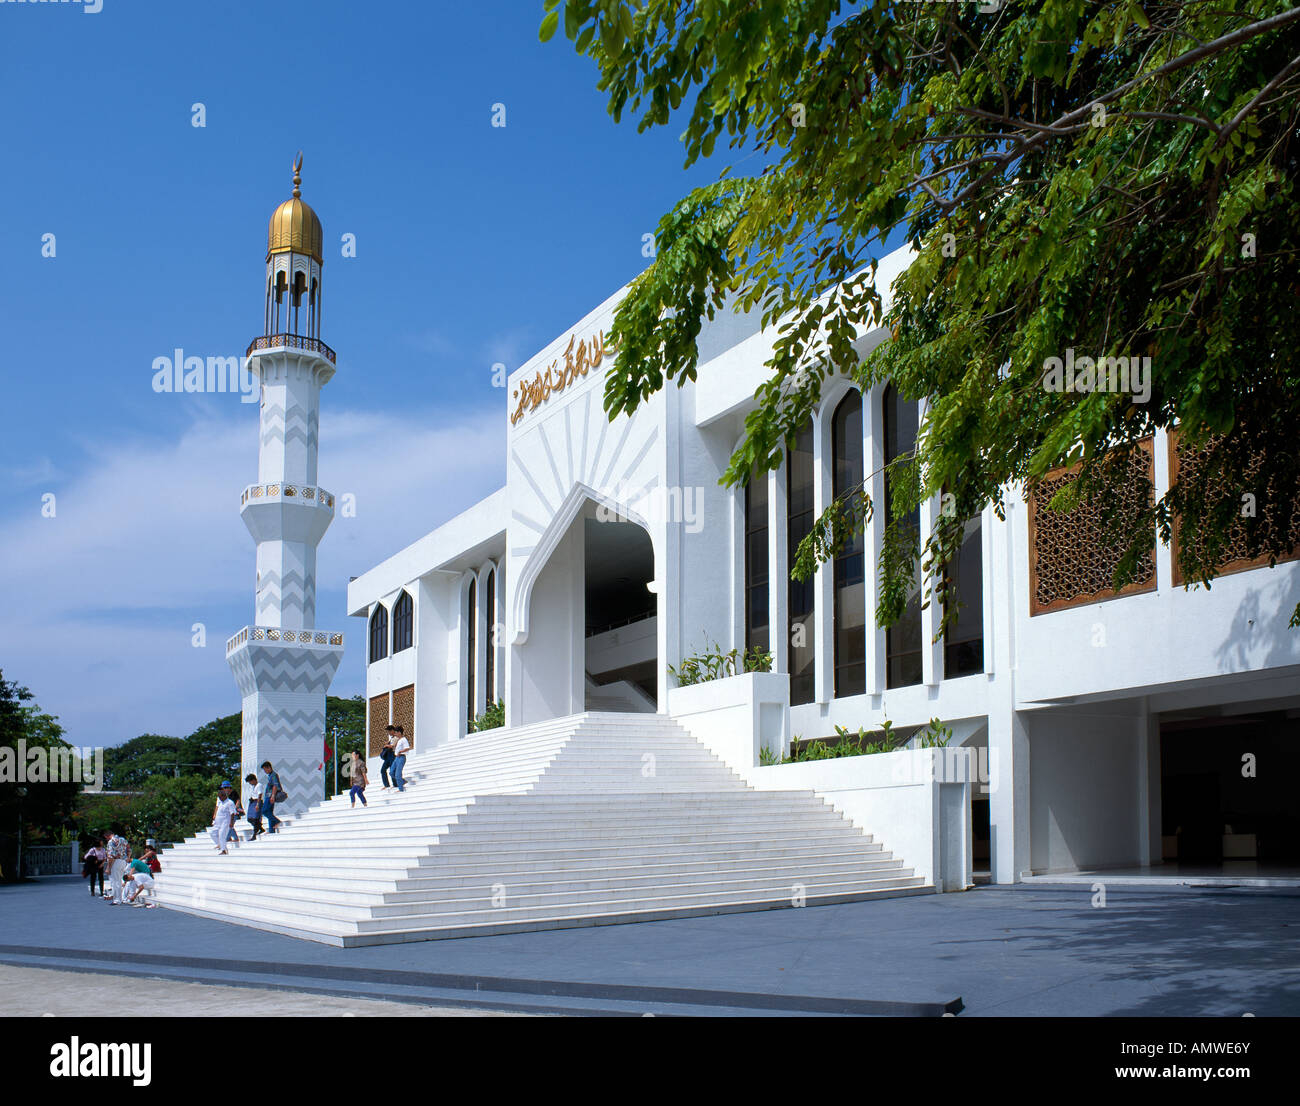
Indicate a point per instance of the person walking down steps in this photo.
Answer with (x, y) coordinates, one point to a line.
(272, 793)
(386, 760)
(358, 774)
(399, 756)
(222, 817)
(254, 804)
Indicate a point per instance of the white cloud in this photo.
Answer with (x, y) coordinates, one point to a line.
(147, 540)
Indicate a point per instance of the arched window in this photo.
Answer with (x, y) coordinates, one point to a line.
(403, 622)
(757, 630)
(471, 651)
(299, 287)
(903, 664)
(800, 507)
(489, 613)
(379, 634)
(850, 595)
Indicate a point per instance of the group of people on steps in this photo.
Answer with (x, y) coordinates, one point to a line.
(265, 791)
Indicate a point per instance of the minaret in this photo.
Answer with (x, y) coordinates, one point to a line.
(283, 664)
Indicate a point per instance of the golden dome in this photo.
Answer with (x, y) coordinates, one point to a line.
(295, 226)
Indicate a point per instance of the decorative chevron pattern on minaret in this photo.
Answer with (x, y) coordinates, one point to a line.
(282, 664)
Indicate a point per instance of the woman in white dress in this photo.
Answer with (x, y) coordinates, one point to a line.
(222, 818)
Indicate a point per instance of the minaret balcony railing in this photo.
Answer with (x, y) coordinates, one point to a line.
(313, 497)
(284, 637)
(293, 341)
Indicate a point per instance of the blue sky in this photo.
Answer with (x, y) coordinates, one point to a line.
(475, 244)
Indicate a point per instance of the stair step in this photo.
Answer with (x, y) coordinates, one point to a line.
(593, 819)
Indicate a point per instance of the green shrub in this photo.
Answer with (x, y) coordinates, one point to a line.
(493, 717)
(935, 736)
(713, 664)
(847, 744)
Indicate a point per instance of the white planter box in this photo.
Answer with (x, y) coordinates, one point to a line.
(915, 801)
(738, 716)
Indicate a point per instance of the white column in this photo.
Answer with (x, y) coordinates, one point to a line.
(1160, 477)
(931, 615)
(873, 454)
(1008, 786)
(823, 581)
(482, 628)
(1009, 749)
(778, 593)
(738, 581)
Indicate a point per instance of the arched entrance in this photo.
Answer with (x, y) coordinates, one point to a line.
(587, 626)
(621, 654)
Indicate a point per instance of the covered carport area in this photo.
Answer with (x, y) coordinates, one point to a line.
(1193, 783)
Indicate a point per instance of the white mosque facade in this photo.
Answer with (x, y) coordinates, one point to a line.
(1108, 731)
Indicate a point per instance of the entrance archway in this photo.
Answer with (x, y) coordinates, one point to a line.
(584, 600)
(621, 652)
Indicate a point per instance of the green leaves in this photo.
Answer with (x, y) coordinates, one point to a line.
(1111, 179)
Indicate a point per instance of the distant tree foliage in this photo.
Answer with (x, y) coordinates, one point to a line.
(43, 807)
(1110, 179)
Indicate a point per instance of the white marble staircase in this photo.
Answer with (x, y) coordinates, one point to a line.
(588, 820)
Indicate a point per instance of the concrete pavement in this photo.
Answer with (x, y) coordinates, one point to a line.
(1029, 950)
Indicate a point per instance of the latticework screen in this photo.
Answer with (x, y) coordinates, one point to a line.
(1183, 463)
(1072, 556)
(404, 711)
(377, 722)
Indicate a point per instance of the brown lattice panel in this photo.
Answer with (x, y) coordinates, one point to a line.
(1072, 557)
(404, 711)
(1184, 463)
(377, 722)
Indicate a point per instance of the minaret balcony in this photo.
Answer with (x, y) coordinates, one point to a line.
(273, 635)
(286, 512)
(290, 341)
(313, 497)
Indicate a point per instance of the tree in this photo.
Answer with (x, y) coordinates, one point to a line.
(1116, 179)
(127, 766)
(167, 809)
(345, 725)
(214, 748)
(41, 807)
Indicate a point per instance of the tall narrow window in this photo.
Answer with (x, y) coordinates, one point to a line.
(403, 622)
(757, 631)
(963, 641)
(903, 665)
(799, 522)
(379, 634)
(489, 613)
(471, 652)
(850, 593)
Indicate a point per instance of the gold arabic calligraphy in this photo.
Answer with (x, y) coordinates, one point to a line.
(531, 394)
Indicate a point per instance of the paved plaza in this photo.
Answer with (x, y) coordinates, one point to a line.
(994, 951)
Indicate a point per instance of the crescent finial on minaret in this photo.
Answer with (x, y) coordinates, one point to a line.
(297, 174)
